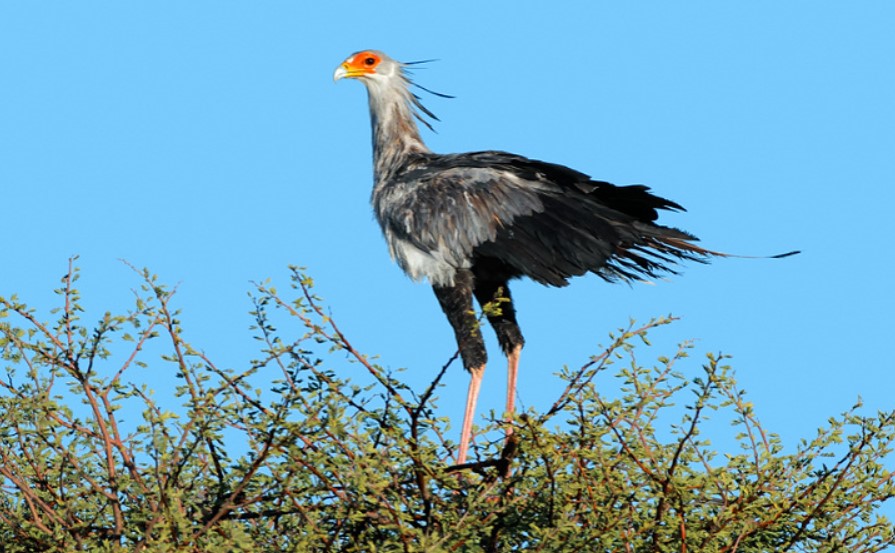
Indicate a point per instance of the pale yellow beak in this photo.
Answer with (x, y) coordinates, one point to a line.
(349, 71)
(341, 72)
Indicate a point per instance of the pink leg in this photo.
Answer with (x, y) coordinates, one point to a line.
(512, 371)
(472, 397)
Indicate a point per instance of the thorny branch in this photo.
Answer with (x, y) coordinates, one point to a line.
(298, 458)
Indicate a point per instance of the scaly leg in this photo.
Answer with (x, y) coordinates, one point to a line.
(512, 370)
(503, 319)
(475, 384)
(456, 302)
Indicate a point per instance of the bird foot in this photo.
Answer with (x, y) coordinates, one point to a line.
(503, 463)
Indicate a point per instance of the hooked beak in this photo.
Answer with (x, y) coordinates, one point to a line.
(346, 71)
(341, 72)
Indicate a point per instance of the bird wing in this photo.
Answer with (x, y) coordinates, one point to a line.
(525, 217)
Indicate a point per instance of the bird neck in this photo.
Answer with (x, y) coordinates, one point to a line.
(395, 132)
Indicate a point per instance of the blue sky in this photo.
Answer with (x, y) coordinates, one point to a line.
(207, 141)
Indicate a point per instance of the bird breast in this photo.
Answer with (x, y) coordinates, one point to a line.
(438, 265)
(409, 227)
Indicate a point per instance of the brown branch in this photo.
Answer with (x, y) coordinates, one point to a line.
(576, 384)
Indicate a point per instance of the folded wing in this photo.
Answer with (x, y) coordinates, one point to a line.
(522, 217)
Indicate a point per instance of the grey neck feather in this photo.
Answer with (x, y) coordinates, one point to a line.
(395, 132)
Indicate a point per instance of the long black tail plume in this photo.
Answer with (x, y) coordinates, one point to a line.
(688, 246)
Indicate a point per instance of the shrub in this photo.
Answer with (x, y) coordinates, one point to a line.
(314, 461)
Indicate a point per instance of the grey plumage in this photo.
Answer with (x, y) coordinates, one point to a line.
(470, 223)
(540, 220)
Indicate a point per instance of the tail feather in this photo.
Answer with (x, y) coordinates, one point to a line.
(659, 251)
(682, 244)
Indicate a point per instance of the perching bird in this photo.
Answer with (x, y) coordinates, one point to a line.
(470, 223)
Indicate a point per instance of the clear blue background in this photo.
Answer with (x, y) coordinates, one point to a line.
(207, 141)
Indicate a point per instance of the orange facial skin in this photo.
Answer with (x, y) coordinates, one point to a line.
(358, 65)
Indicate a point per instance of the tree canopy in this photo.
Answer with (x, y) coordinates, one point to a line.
(292, 452)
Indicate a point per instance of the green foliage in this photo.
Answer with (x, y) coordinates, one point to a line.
(308, 460)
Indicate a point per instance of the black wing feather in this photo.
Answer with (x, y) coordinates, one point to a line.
(523, 217)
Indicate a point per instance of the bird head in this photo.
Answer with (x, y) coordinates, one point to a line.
(369, 66)
(386, 78)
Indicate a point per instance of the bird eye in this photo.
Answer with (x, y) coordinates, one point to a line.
(370, 61)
